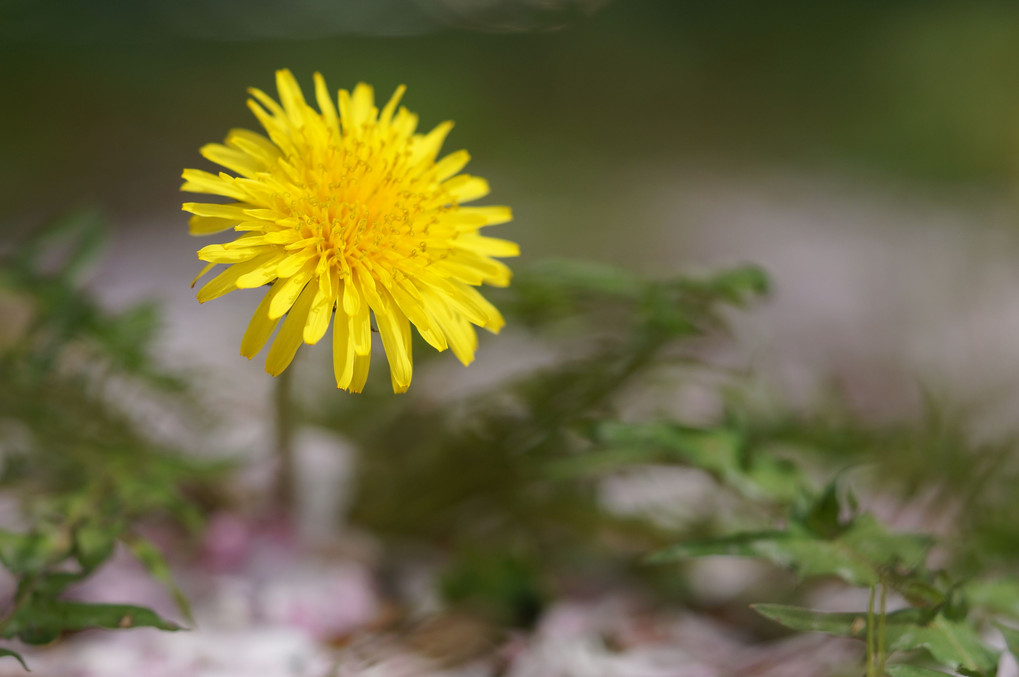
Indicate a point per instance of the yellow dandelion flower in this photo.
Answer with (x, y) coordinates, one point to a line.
(346, 213)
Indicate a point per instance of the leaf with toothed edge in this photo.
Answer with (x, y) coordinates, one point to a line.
(45, 620)
(954, 644)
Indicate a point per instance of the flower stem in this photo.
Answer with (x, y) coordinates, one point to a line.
(882, 649)
(284, 489)
(871, 649)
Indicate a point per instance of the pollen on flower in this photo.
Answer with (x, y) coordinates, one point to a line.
(347, 213)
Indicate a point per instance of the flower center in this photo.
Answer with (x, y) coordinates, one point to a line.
(361, 202)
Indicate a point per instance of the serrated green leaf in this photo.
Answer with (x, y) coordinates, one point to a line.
(840, 624)
(15, 655)
(805, 554)
(874, 543)
(953, 643)
(858, 556)
(821, 515)
(904, 670)
(43, 620)
(152, 559)
(718, 451)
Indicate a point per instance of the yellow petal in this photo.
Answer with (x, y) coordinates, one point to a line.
(415, 312)
(289, 292)
(261, 326)
(234, 212)
(263, 273)
(294, 262)
(366, 286)
(218, 253)
(387, 112)
(356, 110)
(404, 124)
(198, 181)
(208, 225)
(363, 104)
(291, 97)
(451, 164)
(426, 148)
(321, 312)
(277, 130)
(472, 218)
(325, 103)
(463, 339)
(475, 269)
(395, 331)
(351, 298)
(360, 376)
(202, 274)
(361, 331)
(343, 351)
(459, 334)
(267, 101)
(349, 368)
(227, 281)
(486, 246)
(476, 307)
(232, 159)
(255, 145)
(288, 340)
(464, 187)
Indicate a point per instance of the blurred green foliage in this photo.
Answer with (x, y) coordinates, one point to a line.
(502, 487)
(487, 484)
(823, 533)
(78, 456)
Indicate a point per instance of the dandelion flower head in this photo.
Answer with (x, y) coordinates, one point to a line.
(347, 213)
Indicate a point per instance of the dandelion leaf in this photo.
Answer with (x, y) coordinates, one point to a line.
(856, 556)
(954, 644)
(46, 619)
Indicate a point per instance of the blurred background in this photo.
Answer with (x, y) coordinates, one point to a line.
(865, 155)
(870, 149)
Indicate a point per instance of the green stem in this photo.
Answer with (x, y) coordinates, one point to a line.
(870, 634)
(882, 649)
(284, 489)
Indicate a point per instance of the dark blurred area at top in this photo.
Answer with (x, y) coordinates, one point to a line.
(106, 102)
(261, 19)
